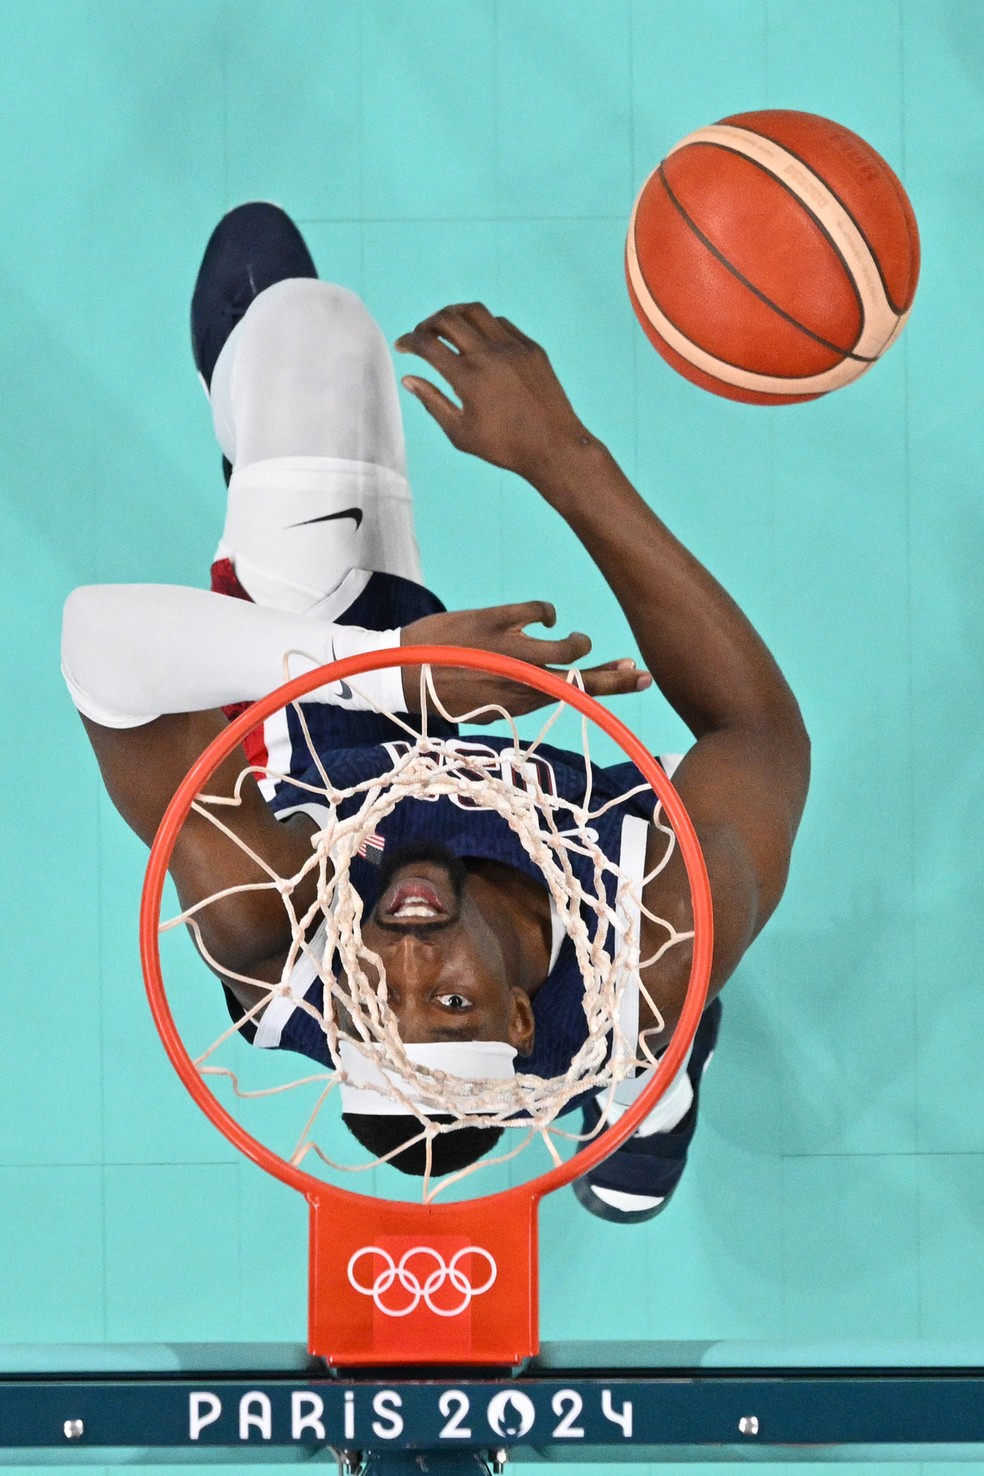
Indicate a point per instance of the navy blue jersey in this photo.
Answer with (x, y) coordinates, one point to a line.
(355, 746)
(473, 832)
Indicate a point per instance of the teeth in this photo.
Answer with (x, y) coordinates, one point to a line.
(415, 907)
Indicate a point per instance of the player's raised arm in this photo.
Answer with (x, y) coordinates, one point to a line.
(147, 665)
(745, 779)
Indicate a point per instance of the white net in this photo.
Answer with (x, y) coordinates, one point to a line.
(598, 905)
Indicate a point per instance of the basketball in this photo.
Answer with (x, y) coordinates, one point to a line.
(772, 257)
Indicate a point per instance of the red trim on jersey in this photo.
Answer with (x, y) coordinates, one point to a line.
(224, 581)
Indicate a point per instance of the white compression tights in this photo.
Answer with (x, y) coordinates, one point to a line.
(305, 407)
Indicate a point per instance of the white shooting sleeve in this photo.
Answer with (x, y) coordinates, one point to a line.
(133, 651)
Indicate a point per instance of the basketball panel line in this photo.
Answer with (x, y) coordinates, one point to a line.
(814, 384)
(780, 312)
(816, 196)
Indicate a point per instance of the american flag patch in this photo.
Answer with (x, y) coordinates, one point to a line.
(372, 849)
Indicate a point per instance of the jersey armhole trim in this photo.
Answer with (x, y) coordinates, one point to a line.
(632, 864)
(270, 1030)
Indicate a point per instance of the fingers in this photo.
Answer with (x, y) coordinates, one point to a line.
(444, 411)
(482, 320)
(526, 612)
(501, 629)
(615, 679)
(430, 341)
(429, 345)
(506, 623)
(571, 649)
(456, 331)
(465, 326)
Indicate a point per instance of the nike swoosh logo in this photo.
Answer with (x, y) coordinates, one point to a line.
(355, 513)
(344, 690)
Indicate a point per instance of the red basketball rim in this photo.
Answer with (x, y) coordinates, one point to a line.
(352, 666)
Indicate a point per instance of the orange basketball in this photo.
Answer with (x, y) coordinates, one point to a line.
(772, 257)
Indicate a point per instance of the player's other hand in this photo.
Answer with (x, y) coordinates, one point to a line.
(513, 411)
(502, 629)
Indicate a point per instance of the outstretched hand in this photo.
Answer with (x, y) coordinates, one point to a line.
(501, 628)
(513, 412)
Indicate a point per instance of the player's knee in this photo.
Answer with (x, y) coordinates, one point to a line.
(308, 319)
(311, 372)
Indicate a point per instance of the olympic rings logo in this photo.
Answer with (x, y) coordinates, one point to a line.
(400, 1274)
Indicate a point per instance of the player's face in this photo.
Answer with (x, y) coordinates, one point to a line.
(446, 975)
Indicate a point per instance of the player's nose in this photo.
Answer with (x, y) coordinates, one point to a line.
(412, 963)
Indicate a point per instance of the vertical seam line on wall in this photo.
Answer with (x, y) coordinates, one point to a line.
(501, 520)
(225, 103)
(910, 699)
(361, 125)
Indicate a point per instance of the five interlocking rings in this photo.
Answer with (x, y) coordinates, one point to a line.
(421, 1291)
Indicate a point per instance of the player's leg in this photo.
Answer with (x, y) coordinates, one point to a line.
(306, 411)
(637, 1181)
(252, 247)
(280, 367)
(307, 372)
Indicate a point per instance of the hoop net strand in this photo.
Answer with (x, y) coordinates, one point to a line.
(558, 836)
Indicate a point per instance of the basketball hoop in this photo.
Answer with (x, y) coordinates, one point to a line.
(438, 1283)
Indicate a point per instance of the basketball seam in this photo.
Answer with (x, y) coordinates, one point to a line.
(899, 311)
(757, 291)
(768, 396)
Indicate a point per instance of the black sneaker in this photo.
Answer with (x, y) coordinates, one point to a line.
(251, 248)
(648, 1169)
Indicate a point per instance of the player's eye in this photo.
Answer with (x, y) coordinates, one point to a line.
(454, 1001)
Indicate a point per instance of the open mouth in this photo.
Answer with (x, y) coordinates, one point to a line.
(414, 900)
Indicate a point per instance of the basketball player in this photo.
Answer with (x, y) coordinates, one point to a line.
(318, 557)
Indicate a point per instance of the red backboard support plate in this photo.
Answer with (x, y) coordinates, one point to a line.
(415, 1284)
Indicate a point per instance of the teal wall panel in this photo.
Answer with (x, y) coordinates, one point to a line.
(292, 130)
(565, 82)
(54, 1263)
(944, 63)
(271, 1258)
(543, 264)
(165, 1280)
(692, 64)
(951, 1257)
(842, 61)
(851, 1246)
(429, 111)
